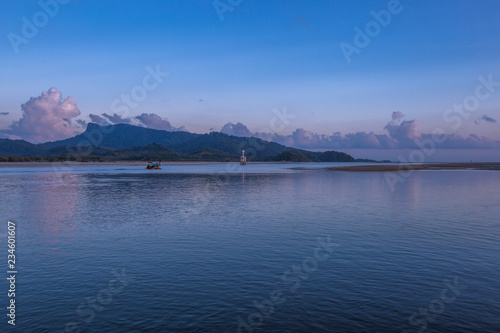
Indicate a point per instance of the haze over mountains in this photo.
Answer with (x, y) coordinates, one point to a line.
(128, 142)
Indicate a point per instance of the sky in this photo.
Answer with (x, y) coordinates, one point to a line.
(315, 75)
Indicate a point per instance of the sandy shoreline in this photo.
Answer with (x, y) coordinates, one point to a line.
(429, 166)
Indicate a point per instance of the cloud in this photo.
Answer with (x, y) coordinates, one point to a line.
(396, 115)
(367, 140)
(486, 118)
(154, 121)
(81, 123)
(472, 141)
(98, 120)
(400, 134)
(149, 120)
(237, 130)
(46, 118)
(403, 131)
(117, 119)
(49, 117)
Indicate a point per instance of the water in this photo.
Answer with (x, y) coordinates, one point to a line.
(202, 248)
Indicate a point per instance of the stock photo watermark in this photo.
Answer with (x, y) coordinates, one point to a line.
(11, 272)
(88, 308)
(223, 6)
(455, 116)
(291, 280)
(121, 107)
(373, 28)
(30, 27)
(277, 123)
(429, 314)
(139, 93)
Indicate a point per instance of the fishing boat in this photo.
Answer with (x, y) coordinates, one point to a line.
(152, 165)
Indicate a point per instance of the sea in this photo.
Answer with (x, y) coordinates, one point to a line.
(291, 247)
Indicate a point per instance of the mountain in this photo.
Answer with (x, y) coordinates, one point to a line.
(231, 144)
(297, 156)
(335, 156)
(122, 136)
(19, 148)
(211, 155)
(152, 152)
(128, 142)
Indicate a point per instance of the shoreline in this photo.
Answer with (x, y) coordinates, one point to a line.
(425, 166)
(119, 163)
(351, 168)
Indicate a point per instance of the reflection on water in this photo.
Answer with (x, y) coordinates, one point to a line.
(202, 248)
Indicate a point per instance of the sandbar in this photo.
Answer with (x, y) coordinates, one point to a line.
(426, 166)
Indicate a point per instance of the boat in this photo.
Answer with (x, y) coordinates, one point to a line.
(152, 165)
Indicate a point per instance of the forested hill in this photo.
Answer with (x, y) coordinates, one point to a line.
(128, 142)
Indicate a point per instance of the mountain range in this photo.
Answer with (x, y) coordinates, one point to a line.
(128, 142)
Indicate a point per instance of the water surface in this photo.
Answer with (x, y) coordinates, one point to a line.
(202, 248)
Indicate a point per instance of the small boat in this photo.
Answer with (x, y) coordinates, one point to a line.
(152, 165)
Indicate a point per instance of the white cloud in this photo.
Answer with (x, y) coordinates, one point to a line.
(46, 118)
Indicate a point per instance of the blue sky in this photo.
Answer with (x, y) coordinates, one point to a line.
(263, 55)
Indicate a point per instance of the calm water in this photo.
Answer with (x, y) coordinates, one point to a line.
(201, 249)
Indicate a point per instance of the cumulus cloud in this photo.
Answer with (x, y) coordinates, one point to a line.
(149, 120)
(98, 120)
(403, 131)
(237, 130)
(363, 139)
(47, 117)
(109, 119)
(154, 121)
(400, 134)
(117, 119)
